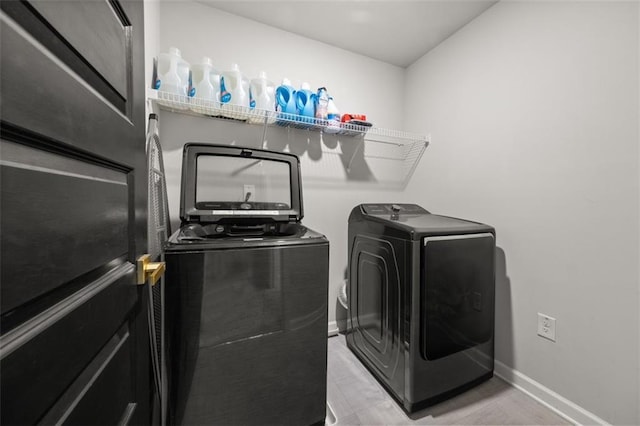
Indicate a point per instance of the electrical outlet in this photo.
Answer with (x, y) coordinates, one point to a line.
(249, 193)
(547, 327)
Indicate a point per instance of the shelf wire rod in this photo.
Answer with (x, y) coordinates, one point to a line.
(264, 130)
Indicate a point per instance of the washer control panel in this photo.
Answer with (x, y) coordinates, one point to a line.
(393, 209)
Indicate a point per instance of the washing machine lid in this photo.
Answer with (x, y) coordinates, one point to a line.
(235, 184)
(415, 220)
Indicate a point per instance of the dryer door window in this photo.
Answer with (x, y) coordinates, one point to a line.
(457, 294)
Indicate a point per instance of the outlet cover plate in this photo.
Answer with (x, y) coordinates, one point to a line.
(547, 327)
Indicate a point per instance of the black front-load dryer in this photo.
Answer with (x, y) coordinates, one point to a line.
(421, 301)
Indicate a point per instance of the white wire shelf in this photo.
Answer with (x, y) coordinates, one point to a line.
(394, 154)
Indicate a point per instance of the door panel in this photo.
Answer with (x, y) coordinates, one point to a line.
(74, 205)
(278, 305)
(40, 188)
(47, 98)
(43, 42)
(374, 302)
(85, 25)
(107, 372)
(54, 347)
(457, 293)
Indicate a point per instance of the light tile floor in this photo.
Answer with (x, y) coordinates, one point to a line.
(356, 398)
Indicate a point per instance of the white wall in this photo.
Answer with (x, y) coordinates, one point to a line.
(533, 110)
(358, 85)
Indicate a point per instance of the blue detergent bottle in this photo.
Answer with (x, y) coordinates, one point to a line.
(286, 98)
(305, 103)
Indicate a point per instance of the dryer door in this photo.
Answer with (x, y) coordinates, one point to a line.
(374, 302)
(458, 287)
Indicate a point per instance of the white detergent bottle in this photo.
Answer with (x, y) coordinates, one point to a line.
(205, 89)
(262, 99)
(234, 94)
(172, 76)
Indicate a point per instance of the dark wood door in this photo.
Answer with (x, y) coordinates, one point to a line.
(74, 341)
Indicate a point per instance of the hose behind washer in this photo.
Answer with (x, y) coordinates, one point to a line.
(342, 295)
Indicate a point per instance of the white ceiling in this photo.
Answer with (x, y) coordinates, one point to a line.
(394, 31)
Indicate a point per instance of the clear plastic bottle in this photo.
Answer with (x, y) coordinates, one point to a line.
(234, 94)
(333, 117)
(205, 87)
(262, 99)
(322, 101)
(172, 74)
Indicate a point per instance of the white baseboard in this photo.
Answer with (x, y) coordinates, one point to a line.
(333, 328)
(559, 404)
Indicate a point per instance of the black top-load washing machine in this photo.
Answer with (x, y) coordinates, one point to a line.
(246, 294)
(421, 301)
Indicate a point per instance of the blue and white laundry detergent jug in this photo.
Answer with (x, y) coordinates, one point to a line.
(305, 103)
(286, 101)
(234, 94)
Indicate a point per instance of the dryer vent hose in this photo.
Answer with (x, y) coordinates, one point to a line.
(342, 295)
